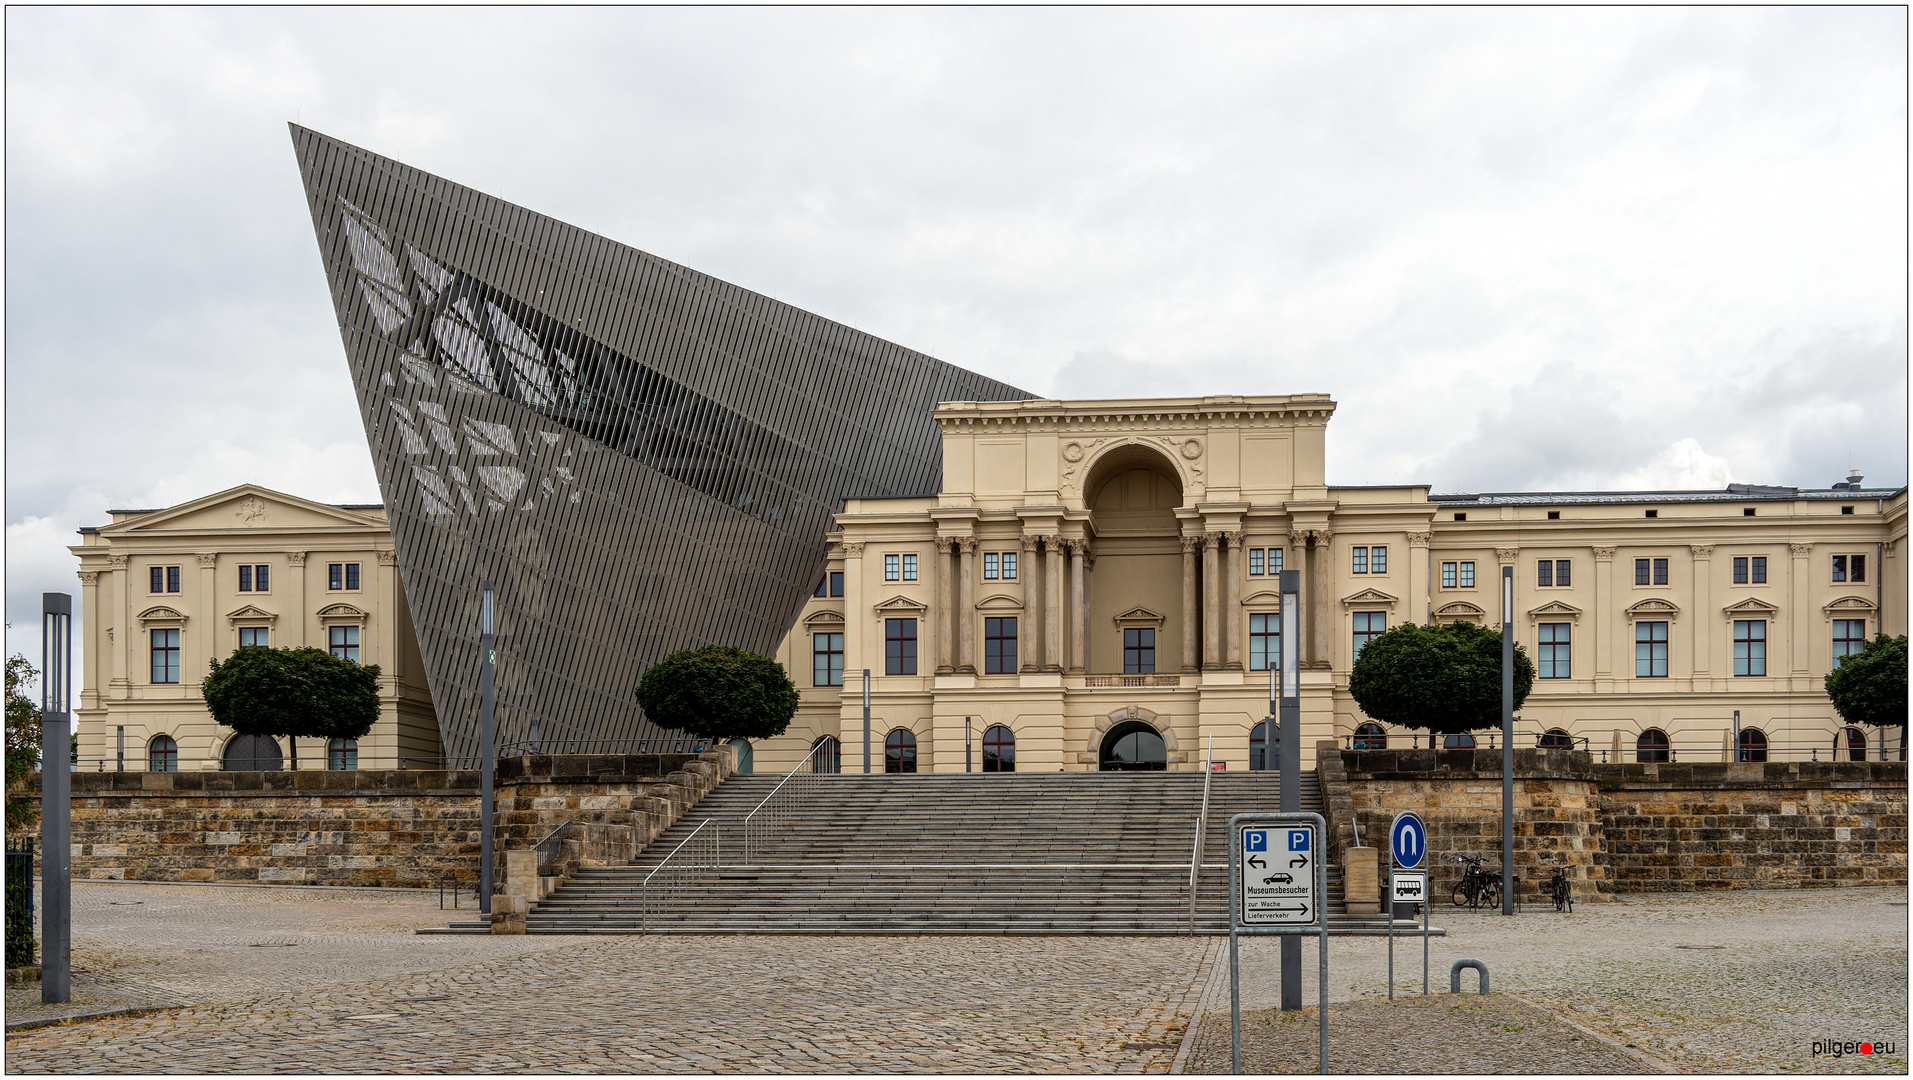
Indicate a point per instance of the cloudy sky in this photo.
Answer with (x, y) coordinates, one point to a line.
(1523, 249)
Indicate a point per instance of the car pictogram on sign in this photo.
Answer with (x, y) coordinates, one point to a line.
(1278, 879)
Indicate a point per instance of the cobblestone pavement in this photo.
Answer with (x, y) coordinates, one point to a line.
(1721, 982)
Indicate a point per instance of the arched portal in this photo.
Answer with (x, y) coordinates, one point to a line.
(1135, 598)
(252, 752)
(1133, 746)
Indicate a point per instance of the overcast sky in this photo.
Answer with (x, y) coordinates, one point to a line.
(1523, 249)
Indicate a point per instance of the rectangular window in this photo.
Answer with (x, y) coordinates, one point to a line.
(254, 637)
(827, 659)
(351, 575)
(172, 579)
(1750, 646)
(165, 656)
(342, 755)
(1378, 560)
(344, 642)
(1275, 560)
(159, 579)
(1361, 560)
(1009, 566)
(245, 579)
(1255, 562)
(1562, 572)
(837, 583)
(1660, 571)
(909, 568)
(1448, 579)
(1368, 626)
(1740, 569)
(1650, 650)
(342, 576)
(990, 569)
(1139, 650)
(1849, 637)
(1760, 570)
(1544, 573)
(1642, 569)
(1554, 659)
(823, 586)
(1265, 641)
(900, 646)
(1851, 568)
(1467, 575)
(999, 646)
(892, 568)
(261, 578)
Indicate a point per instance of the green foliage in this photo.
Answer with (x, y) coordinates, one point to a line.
(21, 943)
(1441, 679)
(1869, 687)
(23, 744)
(302, 692)
(719, 693)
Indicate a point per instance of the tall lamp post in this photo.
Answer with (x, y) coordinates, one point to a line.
(56, 804)
(1507, 740)
(1289, 756)
(488, 659)
(866, 720)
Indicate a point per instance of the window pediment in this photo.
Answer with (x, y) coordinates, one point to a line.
(251, 614)
(999, 602)
(1459, 610)
(1751, 608)
(818, 618)
(1555, 609)
(1848, 607)
(161, 615)
(1370, 596)
(1140, 616)
(342, 613)
(903, 605)
(1652, 608)
(1264, 598)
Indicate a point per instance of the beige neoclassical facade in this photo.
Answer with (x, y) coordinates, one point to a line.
(1095, 568)
(1144, 536)
(164, 592)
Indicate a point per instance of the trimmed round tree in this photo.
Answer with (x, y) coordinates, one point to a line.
(1869, 687)
(719, 693)
(298, 692)
(1440, 679)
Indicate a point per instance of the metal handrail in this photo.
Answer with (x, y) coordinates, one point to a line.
(549, 847)
(1202, 826)
(685, 873)
(774, 814)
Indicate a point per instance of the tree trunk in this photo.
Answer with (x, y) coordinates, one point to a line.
(293, 742)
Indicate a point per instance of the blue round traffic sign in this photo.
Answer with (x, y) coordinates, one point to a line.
(1408, 839)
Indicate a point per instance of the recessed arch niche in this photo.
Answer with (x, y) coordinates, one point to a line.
(1132, 491)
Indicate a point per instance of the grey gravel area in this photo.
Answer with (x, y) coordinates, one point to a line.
(1708, 983)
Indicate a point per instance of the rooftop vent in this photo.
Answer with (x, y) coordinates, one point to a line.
(1852, 482)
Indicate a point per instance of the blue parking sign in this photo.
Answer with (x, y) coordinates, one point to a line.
(1255, 840)
(1299, 839)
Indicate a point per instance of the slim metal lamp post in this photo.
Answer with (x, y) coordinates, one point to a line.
(1737, 755)
(866, 720)
(966, 744)
(488, 659)
(1289, 751)
(1507, 740)
(56, 804)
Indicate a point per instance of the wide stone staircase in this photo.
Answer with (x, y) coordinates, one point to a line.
(1000, 853)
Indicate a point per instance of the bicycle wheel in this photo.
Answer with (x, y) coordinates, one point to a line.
(1461, 894)
(1491, 894)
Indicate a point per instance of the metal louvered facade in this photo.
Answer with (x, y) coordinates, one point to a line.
(641, 457)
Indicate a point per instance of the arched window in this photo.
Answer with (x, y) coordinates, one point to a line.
(252, 752)
(1856, 743)
(1134, 746)
(1753, 745)
(1555, 739)
(1370, 737)
(1463, 741)
(827, 755)
(342, 755)
(1262, 748)
(741, 756)
(900, 752)
(1651, 746)
(162, 754)
(999, 749)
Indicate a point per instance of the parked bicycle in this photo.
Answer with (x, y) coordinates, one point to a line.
(1477, 887)
(1560, 890)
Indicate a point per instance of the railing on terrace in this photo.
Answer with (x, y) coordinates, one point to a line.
(1691, 751)
(1202, 826)
(788, 800)
(696, 858)
(550, 846)
(1131, 680)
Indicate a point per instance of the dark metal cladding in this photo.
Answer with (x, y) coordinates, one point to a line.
(641, 457)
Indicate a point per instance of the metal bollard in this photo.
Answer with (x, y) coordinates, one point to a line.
(1454, 975)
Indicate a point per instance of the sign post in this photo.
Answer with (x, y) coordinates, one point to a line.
(1278, 885)
(1407, 851)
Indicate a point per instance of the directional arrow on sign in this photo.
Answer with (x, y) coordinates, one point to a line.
(1258, 862)
(1299, 860)
(1303, 910)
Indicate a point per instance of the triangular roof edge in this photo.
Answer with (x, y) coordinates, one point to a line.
(192, 506)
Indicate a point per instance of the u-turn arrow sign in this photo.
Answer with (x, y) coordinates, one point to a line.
(1408, 839)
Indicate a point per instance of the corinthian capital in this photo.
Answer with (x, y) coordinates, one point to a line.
(1211, 541)
(1604, 554)
(853, 549)
(1191, 544)
(1419, 539)
(1234, 538)
(966, 544)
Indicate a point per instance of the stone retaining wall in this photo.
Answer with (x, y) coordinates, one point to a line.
(384, 827)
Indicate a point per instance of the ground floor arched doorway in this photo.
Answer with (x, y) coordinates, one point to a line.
(252, 752)
(742, 749)
(1133, 746)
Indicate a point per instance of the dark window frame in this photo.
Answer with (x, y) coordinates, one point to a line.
(824, 645)
(1651, 659)
(900, 646)
(162, 754)
(999, 749)
(1364, 630)
(900, 751)
(164, 655)
(1267, 640)
(1750, 638)
(1843, 636)
(342, 755)
(343, 642)
(999, 645)
(1554, 651)
(1139, 650)
(1652, 746)
(254, 631)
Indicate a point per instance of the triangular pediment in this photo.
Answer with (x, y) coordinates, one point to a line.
(1555, 609)
(1652, 607)
(1140, 616)
(247, 506)
(1850, 603)
(1753, 605)
(1370, 596)
(903, 603)
(251, 613)
(1000, 602)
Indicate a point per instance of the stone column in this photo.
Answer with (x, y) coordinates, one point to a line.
(945, 621)
(1079, 608)
(856, 620)
(1800, 575)
(1030, 633)
(206, 640)
(1318, 605)
(90, 611)
(1232, 603)
(1419, 586)
(1190, 544)
(121, 602)
(966, 605)
(1702, 631)
(1211, 602)
(1600, 620)
(1052, 604)
(297, 616)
